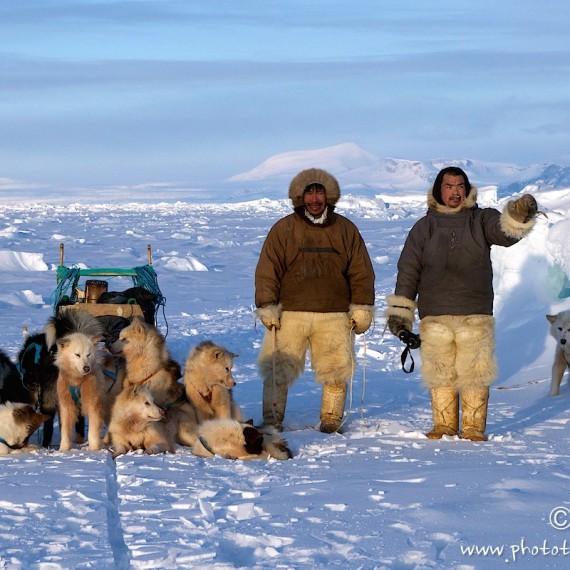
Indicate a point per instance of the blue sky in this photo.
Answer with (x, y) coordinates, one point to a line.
(193, 92)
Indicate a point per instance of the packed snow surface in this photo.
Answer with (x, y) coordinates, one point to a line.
(380, 495)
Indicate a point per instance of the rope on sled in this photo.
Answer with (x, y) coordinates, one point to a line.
(146, 278)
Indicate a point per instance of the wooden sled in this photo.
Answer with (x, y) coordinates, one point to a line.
(73, 295)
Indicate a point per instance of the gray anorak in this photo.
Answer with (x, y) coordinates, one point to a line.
(446, 259)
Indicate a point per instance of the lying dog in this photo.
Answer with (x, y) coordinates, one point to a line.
(560, 330)
(208, 382)
(239, 440)
(132, 422)
(18, 422)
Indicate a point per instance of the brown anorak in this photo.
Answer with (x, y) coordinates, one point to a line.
(321, 268)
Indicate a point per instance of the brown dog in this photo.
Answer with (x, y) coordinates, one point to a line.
(208, 382)
(133, 419)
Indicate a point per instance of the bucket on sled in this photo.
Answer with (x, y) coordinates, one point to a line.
(94, 289)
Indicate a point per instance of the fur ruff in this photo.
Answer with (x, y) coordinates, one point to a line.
(399, 306)
(269, 312)
(513, 228)
(313, 176)
(469, 202)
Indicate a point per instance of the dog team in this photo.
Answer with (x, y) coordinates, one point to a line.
(314, 290)
(132, 389)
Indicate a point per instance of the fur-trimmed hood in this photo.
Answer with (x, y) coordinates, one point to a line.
(469, 202)
(314, 176)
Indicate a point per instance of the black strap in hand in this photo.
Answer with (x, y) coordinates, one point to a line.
(407, 352)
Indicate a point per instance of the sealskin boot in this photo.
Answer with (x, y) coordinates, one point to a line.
(445, 409)
(474, 402)
(332, 407)
(274, 403)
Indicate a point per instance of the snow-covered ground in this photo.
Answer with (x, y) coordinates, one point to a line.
(381, 495)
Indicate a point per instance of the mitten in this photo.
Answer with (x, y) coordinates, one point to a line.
(395, 324)
(523, 209)
(361, 318)
(400, 313)
(270, 316)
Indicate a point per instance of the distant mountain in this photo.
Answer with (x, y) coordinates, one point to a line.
(339, 159)
(359, 171)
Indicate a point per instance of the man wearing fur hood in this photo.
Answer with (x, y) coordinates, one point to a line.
(314, 287)
(446, 264)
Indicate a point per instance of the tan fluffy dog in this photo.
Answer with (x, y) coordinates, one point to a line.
(239, 440)
(79, 388)
(147, 361)
(208, 382)
(133, 420)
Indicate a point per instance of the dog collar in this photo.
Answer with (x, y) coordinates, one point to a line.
(205, 445)
(147, 379)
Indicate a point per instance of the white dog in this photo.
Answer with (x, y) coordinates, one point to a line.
(560, 330)
(79, 388)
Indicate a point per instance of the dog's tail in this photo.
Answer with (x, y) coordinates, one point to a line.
(72, 322)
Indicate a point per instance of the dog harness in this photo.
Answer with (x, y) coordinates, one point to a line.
(2, 440)
(37, 348)
(75, 392)
(112, 375)
(205, 445)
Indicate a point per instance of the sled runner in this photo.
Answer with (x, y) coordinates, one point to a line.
(141, 300)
